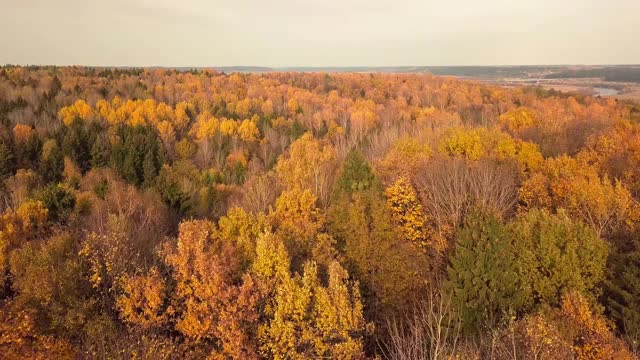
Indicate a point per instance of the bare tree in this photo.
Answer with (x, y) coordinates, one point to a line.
(442, 186)
(632, 335)
(493, 186)
(429, 332)
(260, 192)
(449, 187)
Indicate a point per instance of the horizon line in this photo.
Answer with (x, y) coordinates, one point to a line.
(309, 66)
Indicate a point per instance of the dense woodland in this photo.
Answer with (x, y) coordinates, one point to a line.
(152, 214)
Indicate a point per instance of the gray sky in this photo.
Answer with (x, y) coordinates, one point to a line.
(319, 33)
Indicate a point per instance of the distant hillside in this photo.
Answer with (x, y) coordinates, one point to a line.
(472, 71)
(612, 73)
(622, 73)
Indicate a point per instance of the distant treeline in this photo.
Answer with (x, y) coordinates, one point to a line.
(618, 74)
(621, 73)
(471, 71)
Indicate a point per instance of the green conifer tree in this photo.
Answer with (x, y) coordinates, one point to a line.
(482, 279)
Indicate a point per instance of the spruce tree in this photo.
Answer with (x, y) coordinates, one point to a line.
(150, 168)
(482, 280)
(58, 200)
(52, 162)
(7, 161)
(356, 175)
(28, 153)
(100, 152)
(76, 145)
(622, 290)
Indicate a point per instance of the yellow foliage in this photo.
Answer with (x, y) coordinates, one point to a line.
(31, 215)
(573, 331)
(309, 165)
(71, 171)
(104, 109)
(296, 216)
(593, 339)
(22, 133)
(408, 213)
(109, 255)
(182, 114)
(48, 148)
(364, 116)
(477, 143)
(404, 158)
(292, 107)
(248, 131)
(79, 110)
(463, 142)
(241, 229)
(565, 182)
(228, 127)
(617, 152)
(505, 146)
(137, 118)
(543, 339)
(243, 107)
(307, 320)
(267, 108)
(433, 117)
(213, 303)
(186, 148)
(518, 118)
(237, 157)
(20, 339)
(205, 126)
(272, 261)
(141, 303)
(529, 156)
(164, 112)
(339, 312)
(278, 122)
(166, 131)
(16, 228)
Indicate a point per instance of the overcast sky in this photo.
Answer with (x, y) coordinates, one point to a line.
(319, 33)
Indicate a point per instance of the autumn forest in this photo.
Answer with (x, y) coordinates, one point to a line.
(155, 213)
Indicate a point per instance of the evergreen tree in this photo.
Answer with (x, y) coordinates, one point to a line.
(58, 200)
(128, 157)
(7, 161)
(622, 290)
(356, 175)
(100, 152)
(154, 157)
(555, 255)
(52, 162)
(150, 168)
(482, 277)
(56, 86)
(139, 156)
(171, 193)
(28, 153)
(76, 144)
(296, 130)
